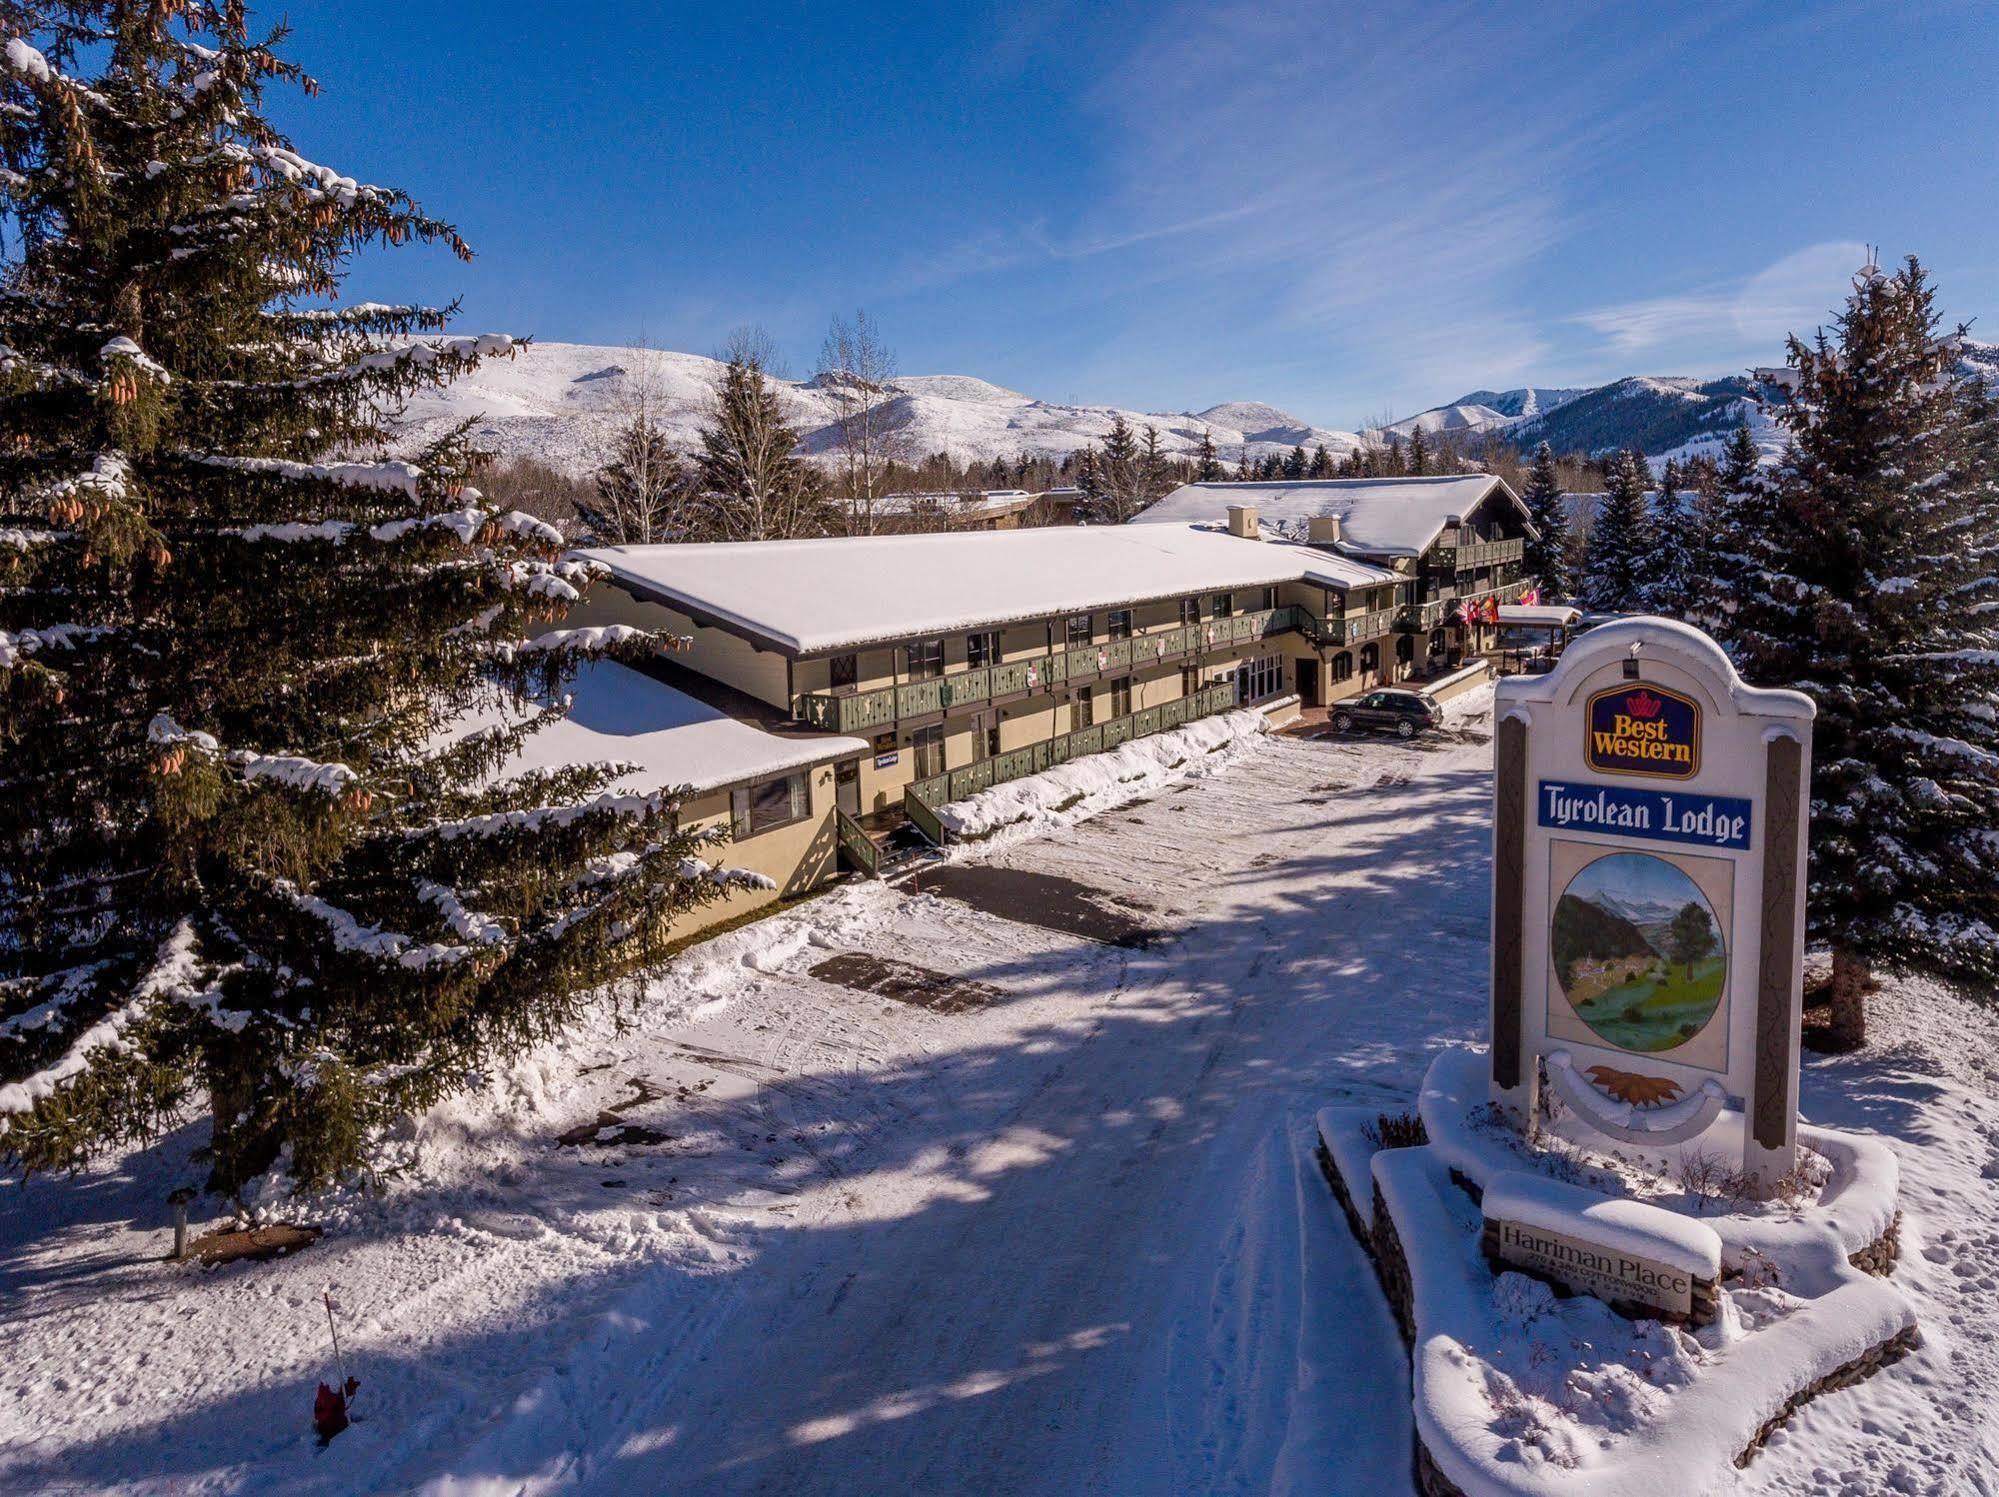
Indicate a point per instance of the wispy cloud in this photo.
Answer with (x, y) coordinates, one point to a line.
(1372, 193)
(1792, 295)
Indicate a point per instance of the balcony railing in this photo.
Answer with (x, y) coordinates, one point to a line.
(1464, 558)
(922, 797)
(882, 707)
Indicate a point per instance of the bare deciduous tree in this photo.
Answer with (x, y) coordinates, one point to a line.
(642, 487)
(857, 370)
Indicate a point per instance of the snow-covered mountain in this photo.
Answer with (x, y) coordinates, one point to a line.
(559, 402)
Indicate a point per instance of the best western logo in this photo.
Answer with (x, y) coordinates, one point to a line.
(1644, 730)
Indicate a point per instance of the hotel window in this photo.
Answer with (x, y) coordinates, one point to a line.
(1343, 666)
(770, 803)
(1081, 631)
(1083, 709)
(1120, 623)
(1224, 605)
(927, 748)
(1269, 598)
(981, 649)
(1121, 698)
(1260, 679)
(926, 659)
(1190, 611)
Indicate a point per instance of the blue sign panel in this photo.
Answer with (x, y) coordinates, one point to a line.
(1655, 815)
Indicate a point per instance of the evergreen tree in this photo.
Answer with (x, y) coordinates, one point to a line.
(1120, 476)
(1419, 452)
(1669, 576)
(1546, 555)
(239, 863)
(1294, 463)
(1155, 472)
(1244, 471)
(1207, 466)
(1271, 468)
(1621, 540)
(1089, 486)
(753, 484)
(1322, 463)
(1733, 519)
(1392, 463)
(1871, 586)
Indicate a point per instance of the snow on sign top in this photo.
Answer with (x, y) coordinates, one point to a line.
(621, 716)
(1383, 516)
(827, 594)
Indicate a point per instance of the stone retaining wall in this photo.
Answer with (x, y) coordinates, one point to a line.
(1391, 1267)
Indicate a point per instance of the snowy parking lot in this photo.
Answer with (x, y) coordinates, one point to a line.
(895, 1194)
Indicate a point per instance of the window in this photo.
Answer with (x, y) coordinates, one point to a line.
(981, 649)
(926, 659)
(1343, 666)
(1120, 623)
(1370, 657)
(1260, 679)
(1081, 630)
(768, 803)
(927, 747)
(1190, 680)
(1121, 698)
(1190, 611)
(1082, 709)
(846, 670)
(993, 737)
(1269, 598)
(1224, 605)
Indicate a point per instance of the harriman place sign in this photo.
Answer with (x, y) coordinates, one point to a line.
(1656, 815)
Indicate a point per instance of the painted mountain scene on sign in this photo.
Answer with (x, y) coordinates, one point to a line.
(1638, 952)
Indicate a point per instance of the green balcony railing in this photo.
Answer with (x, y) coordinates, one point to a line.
(921, 797)
(882, 707)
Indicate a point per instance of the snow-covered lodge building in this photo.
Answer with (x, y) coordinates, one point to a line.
(893, 674)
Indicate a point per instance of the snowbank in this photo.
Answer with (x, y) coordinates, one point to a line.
(1096, 782)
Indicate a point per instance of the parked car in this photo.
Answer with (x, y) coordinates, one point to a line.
(1403, 713)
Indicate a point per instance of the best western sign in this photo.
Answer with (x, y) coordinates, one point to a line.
(1644, 729)
(1648, 892)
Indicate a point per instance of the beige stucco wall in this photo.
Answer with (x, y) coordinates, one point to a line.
(715, 653)
(799, 857)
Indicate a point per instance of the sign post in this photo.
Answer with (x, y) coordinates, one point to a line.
(1648, 894)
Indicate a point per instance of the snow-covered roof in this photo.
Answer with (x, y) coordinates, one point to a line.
(810, 596)
(623, 716)
(1380, 516)
(1539, 615)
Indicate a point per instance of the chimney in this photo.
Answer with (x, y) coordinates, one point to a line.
(1242, 522)
(1322, 530)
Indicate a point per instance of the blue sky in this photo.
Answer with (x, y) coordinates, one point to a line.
(1346, 211)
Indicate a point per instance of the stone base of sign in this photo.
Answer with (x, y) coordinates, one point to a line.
(1383, 1229)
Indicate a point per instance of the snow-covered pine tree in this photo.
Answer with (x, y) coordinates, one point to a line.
(1622, 551)
(1546, 556)
(1294, 464)
(1873, 585)
(753, 485)
(1669, 577)
(237, 860)
(1120, 476)
(1419, 452)
(1730, 517)
(1207, 464)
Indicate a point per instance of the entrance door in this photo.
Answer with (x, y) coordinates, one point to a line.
(1308, 683)
(847, 786)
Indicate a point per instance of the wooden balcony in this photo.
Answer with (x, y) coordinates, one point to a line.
(922, 797)
(1471, 555)
(881, 708)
